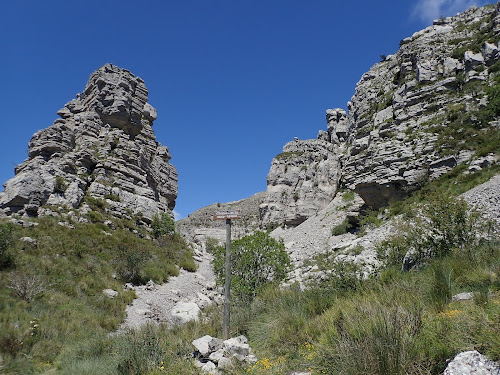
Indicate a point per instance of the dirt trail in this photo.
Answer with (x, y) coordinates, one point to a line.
(155, 303)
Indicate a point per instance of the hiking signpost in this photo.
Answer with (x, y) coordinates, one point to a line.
(227, 215)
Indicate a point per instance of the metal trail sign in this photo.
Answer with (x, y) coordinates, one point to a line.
(227, 215)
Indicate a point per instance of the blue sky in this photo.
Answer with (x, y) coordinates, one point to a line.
(232, 80)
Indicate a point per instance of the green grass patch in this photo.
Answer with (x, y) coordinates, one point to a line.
(51, 291)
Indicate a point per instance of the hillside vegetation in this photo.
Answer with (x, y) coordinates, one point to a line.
(52, 280)
(55, 317)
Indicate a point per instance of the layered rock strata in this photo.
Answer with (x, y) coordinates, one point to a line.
(414, 116)
(303, 179)
(102, 147)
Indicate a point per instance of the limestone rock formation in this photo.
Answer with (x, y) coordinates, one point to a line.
(303, 179)
(425, 109)
(102, 147)
(414, 116)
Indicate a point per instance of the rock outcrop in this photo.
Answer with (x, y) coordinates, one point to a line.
(303, 179)
(424, 110)
(213, 354)
(103, 147)
(414, 116)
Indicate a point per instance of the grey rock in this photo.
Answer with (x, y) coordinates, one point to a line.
(29, 240)
(209, 368)
(302, 180)
(110, 293)
(472, 362)
(391, 146)
(207, 345)
(225, 364)
(237, 345)
(465, 296)
(184, 312)
(217, 355)
(103, 146)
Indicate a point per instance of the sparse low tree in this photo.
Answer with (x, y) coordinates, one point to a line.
(162, 224)
(257, 260)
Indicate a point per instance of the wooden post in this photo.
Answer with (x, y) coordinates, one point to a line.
(227, 286)
(227, 215)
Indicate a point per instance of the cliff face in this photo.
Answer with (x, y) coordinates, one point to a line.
(303, 179)
(425, 109)
(103, 147)
(414, 116)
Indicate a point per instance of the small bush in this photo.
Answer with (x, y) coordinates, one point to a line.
(256, 261)
(344, 277)
(342, 228)
(187, 262)
(26, 286)
(162, 225)
(371, 338)
(348, 196)
(141, 352)
(60, 185)
(6, 240)
(211, 243)
(112, 197)
(96, 217)
(440, 225)
(96, 204)
(131, 263)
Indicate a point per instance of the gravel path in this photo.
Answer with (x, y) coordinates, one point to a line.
(156, 303)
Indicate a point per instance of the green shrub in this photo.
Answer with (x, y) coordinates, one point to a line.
(60, 185)
(256, 261)
(344, 277)
(96, 217)
(187, 262)
(211, 244)
(141, 352)
(342, 228)
(440, 225)
(112, 197)
(162, 225)
(96, 204)
(348, 196)
(370, 338)
(440, 292)
(6, 240)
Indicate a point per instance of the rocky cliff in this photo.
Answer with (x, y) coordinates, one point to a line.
(425, 109)
(103, 147)
(303, 179)
(415, 115)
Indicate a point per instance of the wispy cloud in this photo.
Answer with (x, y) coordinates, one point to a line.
(428, 10)
(177, 216)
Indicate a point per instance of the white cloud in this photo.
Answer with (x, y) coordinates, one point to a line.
(177, 216)
(428, 10)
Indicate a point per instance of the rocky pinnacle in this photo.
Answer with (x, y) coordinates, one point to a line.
(102, 147)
